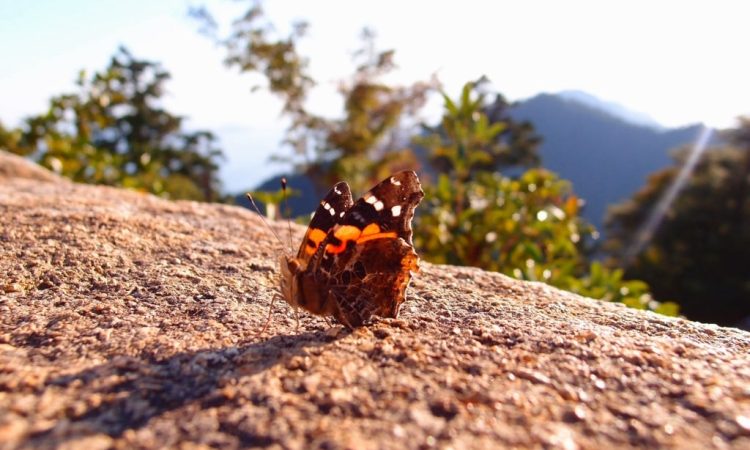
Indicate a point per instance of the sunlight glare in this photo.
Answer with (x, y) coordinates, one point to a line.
(647, 230)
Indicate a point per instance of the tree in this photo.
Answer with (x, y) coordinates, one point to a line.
(10, 140)
(526, 226)
(364, 145)
(699, 253)
(113, 131)
(476, 137)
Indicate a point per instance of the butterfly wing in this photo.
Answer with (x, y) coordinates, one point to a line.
(331, 209)
(389, 206)
(364, 264)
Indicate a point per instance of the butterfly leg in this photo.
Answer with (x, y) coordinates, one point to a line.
(340, 316)
(346, 323)
(268, 319)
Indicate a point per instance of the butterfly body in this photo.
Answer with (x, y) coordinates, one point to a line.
(356, 258)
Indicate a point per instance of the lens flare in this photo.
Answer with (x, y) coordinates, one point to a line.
(646, 231)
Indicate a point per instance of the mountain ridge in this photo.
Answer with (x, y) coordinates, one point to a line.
(613, 108)
(606, 158)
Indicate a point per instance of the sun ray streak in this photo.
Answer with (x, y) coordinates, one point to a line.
(646, 231)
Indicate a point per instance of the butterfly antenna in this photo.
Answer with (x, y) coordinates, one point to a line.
(263, 218)
(286, 206)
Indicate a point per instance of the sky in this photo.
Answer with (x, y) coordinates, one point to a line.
(679, 62)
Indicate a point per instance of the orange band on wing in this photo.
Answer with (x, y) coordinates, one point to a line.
(343, 233)
(336, 248)
(370, 237)
(347, 232)
(316, 235)
(373, 228)
(372, 231)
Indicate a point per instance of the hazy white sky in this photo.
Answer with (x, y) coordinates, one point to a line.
(678, 61)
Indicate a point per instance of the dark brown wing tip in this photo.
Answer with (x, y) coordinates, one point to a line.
(411, 184)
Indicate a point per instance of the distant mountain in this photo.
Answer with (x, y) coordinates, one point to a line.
(604, 155)
(612, 108)
(605, 150)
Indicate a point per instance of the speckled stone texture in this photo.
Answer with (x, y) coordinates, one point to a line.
(127, 321)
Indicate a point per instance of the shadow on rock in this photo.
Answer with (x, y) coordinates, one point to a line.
(125, 393)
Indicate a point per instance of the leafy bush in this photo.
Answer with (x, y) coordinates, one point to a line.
(527, 226)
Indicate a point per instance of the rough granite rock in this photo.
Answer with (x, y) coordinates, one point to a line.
(127, 321)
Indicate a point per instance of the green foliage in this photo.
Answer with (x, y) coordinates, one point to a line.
(113, 131)
(700, 251)
(469, 140)
(527, 227)
(10, 141)
(608, 284)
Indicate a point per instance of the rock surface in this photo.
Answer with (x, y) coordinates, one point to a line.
(127, 321)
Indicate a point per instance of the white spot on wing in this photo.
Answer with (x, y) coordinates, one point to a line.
(378, 205)
(396, 211)
(328, 207)
(342, 214)
(395, 182)
(371, 199)
(336, 190)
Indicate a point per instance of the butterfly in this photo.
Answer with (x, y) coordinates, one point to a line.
(356, 258)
